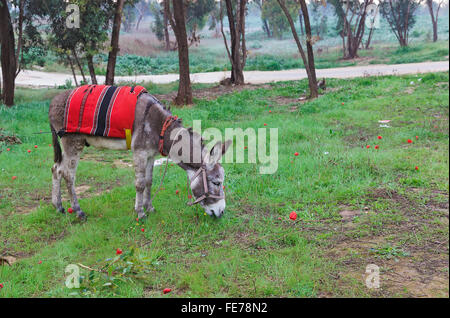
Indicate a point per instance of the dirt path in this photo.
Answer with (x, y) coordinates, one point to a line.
(43, 79)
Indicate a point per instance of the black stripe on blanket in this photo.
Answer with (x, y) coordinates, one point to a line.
(101, 120)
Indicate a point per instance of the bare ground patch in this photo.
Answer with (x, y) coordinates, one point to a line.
(413, 255)
(214, 92)
(415, 275)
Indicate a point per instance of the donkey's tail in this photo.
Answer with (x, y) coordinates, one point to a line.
(56, 146)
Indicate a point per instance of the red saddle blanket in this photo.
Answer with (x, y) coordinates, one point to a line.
(101, 110)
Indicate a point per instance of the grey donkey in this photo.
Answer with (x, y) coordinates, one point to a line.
(206, 174)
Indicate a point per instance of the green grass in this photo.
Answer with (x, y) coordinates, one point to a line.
(206, 60)
(250, 252)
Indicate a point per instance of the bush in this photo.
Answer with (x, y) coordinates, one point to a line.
(416, 34)
(255, 45)
(34, 56)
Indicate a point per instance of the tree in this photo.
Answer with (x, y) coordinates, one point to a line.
(8, 54)
(400, 14)
(196, 16)
(75, 45)
(214, 18)
(372, 16)
(300, 21)
(317, 18)
(128, 16)
(93, 31)
(351, 20)
(434, 15)
(142, 9)
(265, 23)
(114, 50)
(20, 20)
(197, 13)
(178, 23)
(236, 11)
(159, 24)
(275, 17)
(166, 23)
(308, 60)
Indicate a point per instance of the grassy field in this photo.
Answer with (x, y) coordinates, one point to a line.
(356, 205)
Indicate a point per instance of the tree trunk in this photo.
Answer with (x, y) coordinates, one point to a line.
(90, 63)
(266, 28)
(77, 60)
(237, 32)
(112, 56)
(166, 24)
(141, 16)
(19, 53)
(8, 57)
(307, 60)
(434, 18)
(300, 20)
(139, 21)
(435, 32)
(184, 95)
(73, 69)
(344, 48)
(309, 48)
(369, 39)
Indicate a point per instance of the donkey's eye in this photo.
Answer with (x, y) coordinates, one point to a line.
(216, 183)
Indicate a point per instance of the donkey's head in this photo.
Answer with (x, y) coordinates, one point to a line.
(207, 181)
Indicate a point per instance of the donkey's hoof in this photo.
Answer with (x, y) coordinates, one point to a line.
(81, 216)
(61, 210)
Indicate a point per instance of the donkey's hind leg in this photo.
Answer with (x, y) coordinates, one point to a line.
(73, 146)
(148, 185)
(56, 187)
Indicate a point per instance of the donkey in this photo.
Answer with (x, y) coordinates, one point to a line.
(206, 175)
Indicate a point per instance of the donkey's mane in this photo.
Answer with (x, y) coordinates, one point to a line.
(163, 112)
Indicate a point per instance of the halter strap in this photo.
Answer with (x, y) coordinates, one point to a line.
(202, 170)
(169, 120)
(206, 193)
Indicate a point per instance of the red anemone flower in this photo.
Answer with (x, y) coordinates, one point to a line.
(293, 215)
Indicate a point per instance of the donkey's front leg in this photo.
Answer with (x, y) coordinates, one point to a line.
(148, 185)
(140, 159)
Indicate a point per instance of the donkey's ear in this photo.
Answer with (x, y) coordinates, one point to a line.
(225, 146)
(217, 152)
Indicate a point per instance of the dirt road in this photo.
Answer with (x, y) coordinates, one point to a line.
(43, 79)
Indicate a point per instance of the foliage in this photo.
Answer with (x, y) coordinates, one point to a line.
(318, 18)
(32, 56)
(107, 276)
(197, 14)
(157, 26)
(272, 12)
(401, 16)
(88, 39)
